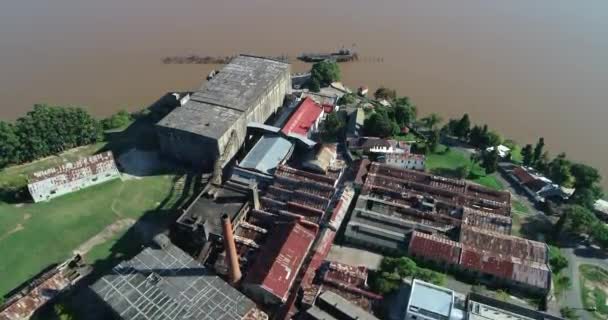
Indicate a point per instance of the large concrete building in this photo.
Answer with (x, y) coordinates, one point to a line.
(163, 282)
(209, 129)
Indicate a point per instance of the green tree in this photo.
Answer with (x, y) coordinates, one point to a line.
(576, 219)
(538, 150)
(599, 232)
(528, 157)
(325, 72)
(403, 115)
(385, 93)
(433, 140)
(49, 130)
(569, 313)
(332, 126)
(490, 161)
(558, 171)
(584, 176)
(432, 120)
(379, 125)
(584, 197)
(348, 98)
(9, 144)
(492, 139)
(475, 136)
(557, 260)
(314, 85)
(462, 172)
(462, 127)
(117, 120)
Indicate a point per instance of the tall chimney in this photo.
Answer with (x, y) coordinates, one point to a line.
(232, 259)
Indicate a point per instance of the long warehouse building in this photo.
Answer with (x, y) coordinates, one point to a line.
(209, 129)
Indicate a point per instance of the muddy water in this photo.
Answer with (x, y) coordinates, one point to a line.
(525, 68)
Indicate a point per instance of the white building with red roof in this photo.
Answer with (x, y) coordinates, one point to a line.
(305, 120)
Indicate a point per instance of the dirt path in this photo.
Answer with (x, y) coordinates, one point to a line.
(104, 235)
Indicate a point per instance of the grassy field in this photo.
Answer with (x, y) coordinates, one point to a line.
(519, 206)
(594, 289)
(446, 162)
(32, 236)
(36, 235)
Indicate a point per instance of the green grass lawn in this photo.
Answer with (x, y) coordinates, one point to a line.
(520, 207)
(594, 288)
(33, 236)
(445, 163)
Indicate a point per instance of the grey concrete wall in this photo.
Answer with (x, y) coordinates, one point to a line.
(196, 151)
(268, 103)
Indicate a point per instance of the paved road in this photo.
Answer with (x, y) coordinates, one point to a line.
(577, 256)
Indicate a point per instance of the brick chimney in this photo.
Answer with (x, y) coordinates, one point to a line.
(232, 259)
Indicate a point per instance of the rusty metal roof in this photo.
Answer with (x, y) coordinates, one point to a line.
(70, 171)
(504, 244)
(434, 247)
(277, 265)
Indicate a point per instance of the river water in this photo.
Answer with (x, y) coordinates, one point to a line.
(526, 68)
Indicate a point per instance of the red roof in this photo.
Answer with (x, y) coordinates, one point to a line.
(434, 248)
(522, 175)
(487, 262)
(303, 119)
(277, 266)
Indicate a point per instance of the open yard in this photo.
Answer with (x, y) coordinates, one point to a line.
(446, 162)
(33, 236)
(99, 220)
(594, 289)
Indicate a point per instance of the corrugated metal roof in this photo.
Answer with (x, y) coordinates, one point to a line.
(267, 154)
(303, 119)
(70, 171)
(277, 266)
(504, 244)
(431, 298)
(435, 248)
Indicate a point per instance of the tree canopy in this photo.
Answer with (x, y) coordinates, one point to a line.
(385, 93)
(325, 72)
(379, 124)
(44, 131)
(393, 270)
(332, 126)
(117, 120)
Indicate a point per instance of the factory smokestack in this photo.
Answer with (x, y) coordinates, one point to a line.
(232, 259)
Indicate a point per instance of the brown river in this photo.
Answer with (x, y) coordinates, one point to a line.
(526, 68)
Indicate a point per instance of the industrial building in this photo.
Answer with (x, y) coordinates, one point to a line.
(200, 223)
(208, 130)
(269, 152)
(162, 282)
(72, 176)
(305, 120)
(275, 269)
(404, 161)
(331, 306)
(493, 257)
(480, 307)
(395, 202)
(44, 288)
(450, 222)
(430, 302)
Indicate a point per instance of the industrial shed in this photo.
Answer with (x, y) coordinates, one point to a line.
(212, 125)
